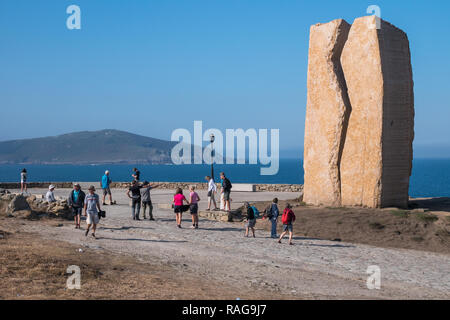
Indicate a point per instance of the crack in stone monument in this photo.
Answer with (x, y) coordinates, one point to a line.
(358, 147)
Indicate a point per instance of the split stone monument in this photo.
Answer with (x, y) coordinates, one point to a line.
(360, 115)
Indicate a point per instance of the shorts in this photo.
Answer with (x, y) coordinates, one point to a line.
(77, 211)
(193, 208)
(181, 209)
(288, 227)
(226, 195)
(106, 191)
(250, 223)
(92, 218)
(210, 193)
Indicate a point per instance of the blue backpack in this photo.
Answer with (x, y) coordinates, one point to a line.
(255, 212)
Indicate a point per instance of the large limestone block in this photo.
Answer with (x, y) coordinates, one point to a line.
(377, 156)
(327, 113)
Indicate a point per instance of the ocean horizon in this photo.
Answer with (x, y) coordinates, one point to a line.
(430, 177)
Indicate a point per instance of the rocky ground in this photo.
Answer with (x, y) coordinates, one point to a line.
(215, 261)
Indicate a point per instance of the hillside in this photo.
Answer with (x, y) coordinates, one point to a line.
(87, 147)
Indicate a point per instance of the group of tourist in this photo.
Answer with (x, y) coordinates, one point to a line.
(225, 200)
(139, 194)
(272, 213)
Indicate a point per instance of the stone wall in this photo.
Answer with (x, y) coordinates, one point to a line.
(41, 185)
(204, 186)
(163, 185)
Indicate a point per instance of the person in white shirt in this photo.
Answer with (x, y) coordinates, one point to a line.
(212, 189)
(50, 196)
(23, 181)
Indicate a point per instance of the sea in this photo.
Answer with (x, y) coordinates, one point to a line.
(430, 177)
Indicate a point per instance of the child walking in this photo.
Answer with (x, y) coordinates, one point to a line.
(251, 220)
(287, 218)
(193, 207)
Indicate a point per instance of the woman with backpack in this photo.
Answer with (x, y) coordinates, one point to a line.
(251, 220)
(287, 219)
(226, 190)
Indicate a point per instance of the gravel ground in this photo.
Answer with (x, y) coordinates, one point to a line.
(312, 268)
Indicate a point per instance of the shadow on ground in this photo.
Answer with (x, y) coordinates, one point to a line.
(432, 204)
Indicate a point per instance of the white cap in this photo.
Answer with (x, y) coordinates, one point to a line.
(107, 171)
(50, 187)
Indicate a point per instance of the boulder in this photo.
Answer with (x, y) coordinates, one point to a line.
(327, 113)
(18, 203)
(24, 214)
(4, 191)
(7, 197)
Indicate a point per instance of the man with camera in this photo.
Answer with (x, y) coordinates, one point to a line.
(92, 210)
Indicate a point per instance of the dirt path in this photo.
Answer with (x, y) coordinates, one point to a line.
(219, 253)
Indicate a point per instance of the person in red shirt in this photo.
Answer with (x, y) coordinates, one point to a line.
(178, 207)
(287, 219)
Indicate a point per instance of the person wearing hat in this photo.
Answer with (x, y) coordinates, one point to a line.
(146, 200)
(76, 202)
(105, 183)
(91, 209)
(50, 196)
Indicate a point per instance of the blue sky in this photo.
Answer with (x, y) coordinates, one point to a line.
(150, 67)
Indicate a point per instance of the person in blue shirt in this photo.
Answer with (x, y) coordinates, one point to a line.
(105, 183)
(273, 216)
(76, 202)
